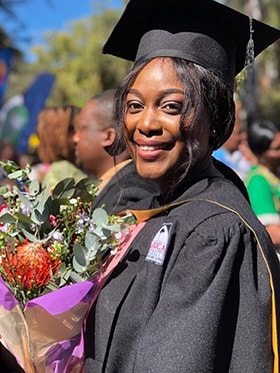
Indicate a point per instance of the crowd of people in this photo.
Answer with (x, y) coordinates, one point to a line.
(198, 290)
(253, 152)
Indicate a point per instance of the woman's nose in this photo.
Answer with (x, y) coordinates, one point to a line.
(149, 123)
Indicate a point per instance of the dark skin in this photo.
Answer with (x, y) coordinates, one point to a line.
(152, 120)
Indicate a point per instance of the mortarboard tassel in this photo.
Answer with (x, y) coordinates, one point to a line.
(251, 100)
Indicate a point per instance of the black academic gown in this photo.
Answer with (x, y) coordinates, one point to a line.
(193, 294)
(124, 190)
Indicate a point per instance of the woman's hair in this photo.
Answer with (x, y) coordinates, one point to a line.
(55, 130)
(260, 135)
(203, 89)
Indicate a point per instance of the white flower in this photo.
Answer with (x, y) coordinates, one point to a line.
(5, 227)
(58, 236)
(25, 210)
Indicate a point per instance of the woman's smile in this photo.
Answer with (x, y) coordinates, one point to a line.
(153, 113)
(150, 151)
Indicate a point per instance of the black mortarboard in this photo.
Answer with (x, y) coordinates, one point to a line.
(201, 31)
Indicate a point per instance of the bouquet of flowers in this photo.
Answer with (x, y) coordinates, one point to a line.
(55, 254)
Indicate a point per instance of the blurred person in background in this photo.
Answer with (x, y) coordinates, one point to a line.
(56, 149)
(7, 153)
(121, 186)
(262, 180)
(235, 152)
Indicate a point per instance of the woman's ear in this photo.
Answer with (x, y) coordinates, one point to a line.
(109, 137)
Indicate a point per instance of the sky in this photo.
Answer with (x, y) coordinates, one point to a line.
(39, 16)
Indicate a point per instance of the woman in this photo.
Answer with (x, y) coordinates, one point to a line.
(56, 149)
(193, 293)
(262, 180)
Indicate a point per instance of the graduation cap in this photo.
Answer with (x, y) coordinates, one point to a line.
(201, 31)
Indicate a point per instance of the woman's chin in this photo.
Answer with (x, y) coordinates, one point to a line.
(149, 174)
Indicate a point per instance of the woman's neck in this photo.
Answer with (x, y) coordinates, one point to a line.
(169, 190)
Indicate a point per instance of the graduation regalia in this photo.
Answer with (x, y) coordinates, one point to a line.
(198, 290)
(195, 292)
(123, 188)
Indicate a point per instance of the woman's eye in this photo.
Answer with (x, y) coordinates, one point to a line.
(173, 107)
(133, 106)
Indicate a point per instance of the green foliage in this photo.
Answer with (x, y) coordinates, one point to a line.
(75, 57)
(60, 224)
(267, 64)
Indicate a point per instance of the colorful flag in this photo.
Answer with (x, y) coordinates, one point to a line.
(13, 117)
(34, 101)
(6, 56)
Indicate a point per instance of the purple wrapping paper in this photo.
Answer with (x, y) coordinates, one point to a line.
(71, 295)
(7, 299)
(47, 336)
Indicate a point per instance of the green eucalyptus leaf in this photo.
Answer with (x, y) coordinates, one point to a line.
(64, 189)
(80, 254)
(100, 217)
(75, 277)
(6, 217)
(9, 166)
(92, 242)
(24, 200)
(42, 198)
(84, 195)
(113, 227)
(17, 175)
(87, 183)
(99, 232)
(61, 269)
(3, 190)
(34, 187)
(31, 237)
(41, 211)
(51, 286)
(106, 233)
(39, 217)
(77, 266)
(55, 204)
(14, 171)
(23, 219)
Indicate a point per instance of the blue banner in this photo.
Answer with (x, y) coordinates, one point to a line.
(34, 101)
(6, 56)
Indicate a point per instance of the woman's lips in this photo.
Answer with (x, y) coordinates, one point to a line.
(151, 151)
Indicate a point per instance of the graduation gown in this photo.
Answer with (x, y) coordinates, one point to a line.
(124, 189)
(195, 293)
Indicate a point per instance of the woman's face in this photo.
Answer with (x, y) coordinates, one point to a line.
(152, 119)
(271, 156)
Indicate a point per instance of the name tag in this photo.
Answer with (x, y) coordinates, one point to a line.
(159, 244)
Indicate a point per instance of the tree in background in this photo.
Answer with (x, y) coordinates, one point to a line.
(75, 57)
(267, 66)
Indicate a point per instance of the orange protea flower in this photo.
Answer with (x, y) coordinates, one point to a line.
(30, 266)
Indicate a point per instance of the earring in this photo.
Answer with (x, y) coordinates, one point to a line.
(214, 131)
